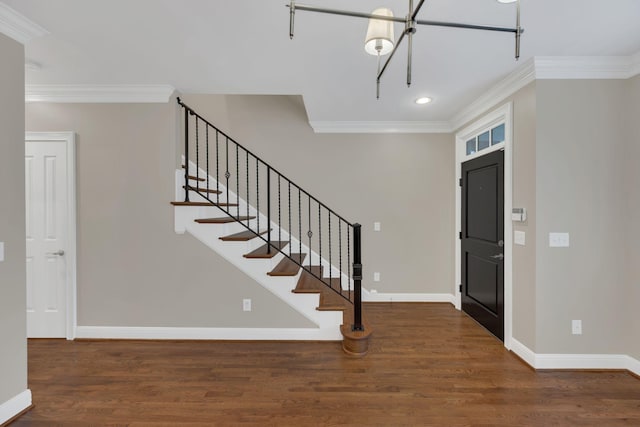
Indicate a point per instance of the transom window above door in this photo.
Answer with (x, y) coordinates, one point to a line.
(485, 139)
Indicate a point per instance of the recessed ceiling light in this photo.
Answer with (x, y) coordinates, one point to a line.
(507, 1)
(423, 100)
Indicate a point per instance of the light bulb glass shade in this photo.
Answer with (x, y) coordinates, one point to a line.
(379, 38)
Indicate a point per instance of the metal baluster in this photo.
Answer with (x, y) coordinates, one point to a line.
(340, 250)
(237, 184)
(290, 227)
(320, 236)
(300, 226)
(268, 209)
(226, 173)
(217, 167)
(197, 156)
(279, 226)
(186, 154)
(248, 198)
(349, 259)
(330, 264)
(207, 191)
(258, 196)
(309, 233)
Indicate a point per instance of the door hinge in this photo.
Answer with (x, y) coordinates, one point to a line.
(460, 235)
(460, 288)
(460, 182)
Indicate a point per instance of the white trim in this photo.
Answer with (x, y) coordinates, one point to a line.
(519, 78)
(15, 25)
(503, 114)
(523, 352)
(575, 361)
(15, 405)
(368, 296)
(549, 67)
(380, 127)
(633, 365)
(585, 67)
(171, 333)
(71, 250)
(99, 93)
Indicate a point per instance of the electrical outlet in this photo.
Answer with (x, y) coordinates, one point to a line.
(246, 304)
(576, 327)
(376, 277)
(1, 251)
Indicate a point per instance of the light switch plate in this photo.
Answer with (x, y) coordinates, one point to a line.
(519, 238)
(558, 240)
(1, 251)
(376, 226)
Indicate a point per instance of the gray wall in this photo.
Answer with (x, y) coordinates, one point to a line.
(404, 181)
(580, 182)
(13, 318)
(632, 220)
(133, 270)
(524, 195)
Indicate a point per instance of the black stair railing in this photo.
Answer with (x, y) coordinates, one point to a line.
(330, 240)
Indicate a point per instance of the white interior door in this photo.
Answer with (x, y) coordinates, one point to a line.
(47, 197)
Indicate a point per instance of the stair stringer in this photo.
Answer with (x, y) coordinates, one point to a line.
(313, 258)
(328, 322)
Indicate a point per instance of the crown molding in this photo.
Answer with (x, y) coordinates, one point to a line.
(17, 26)
(380, 127)
(99, 93)
(586, 67)
(519, 78)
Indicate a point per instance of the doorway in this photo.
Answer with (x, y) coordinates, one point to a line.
(471, 143)
(50, 234)
(482, 241)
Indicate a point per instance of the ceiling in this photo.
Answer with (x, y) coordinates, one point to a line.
(243, 47)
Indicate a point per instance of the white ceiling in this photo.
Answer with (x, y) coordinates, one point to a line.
(243, 47)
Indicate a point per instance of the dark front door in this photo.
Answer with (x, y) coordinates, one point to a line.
(483, 241)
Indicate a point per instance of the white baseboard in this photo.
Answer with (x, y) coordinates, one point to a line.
(368, 296)
(159, 333)
(15, 405)
(523, 352)
(575, 361)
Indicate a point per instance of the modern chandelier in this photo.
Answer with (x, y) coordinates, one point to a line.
(379, 40)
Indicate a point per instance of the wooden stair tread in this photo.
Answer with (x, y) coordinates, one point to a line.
(203, 190)
(203, 204)
(262, 252)
(286, 267)
(197, 178)
(242, 236)
(331, 301)
(308, 284)
(223, 220)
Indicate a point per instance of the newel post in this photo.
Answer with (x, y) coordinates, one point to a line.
(357, 279)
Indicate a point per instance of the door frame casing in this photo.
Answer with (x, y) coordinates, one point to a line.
(503, 114)
(69, 138)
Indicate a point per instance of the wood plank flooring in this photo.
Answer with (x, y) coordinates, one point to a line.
(428, 365)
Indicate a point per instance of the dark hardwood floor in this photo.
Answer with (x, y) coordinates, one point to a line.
(428, 365)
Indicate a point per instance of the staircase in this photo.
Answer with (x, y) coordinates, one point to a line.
(273, 230)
